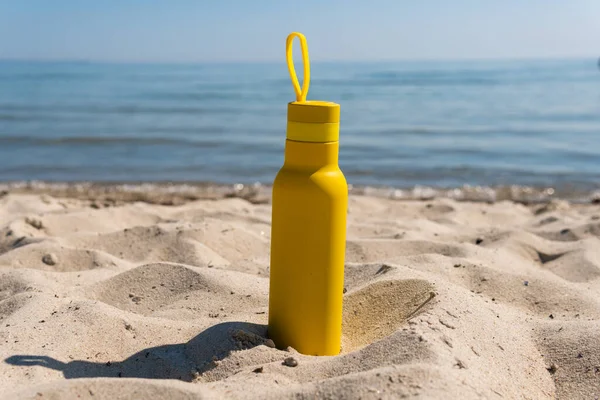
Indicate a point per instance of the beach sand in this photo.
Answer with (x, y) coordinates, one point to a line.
(444, 299)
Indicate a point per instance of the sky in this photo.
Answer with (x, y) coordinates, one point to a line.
(255, 30)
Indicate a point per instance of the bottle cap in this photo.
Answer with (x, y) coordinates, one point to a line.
(309, 121)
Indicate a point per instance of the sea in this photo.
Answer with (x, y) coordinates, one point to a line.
(532, 125)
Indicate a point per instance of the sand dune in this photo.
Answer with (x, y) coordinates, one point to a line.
(443, 300)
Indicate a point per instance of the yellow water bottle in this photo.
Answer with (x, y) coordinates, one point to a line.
(308, 233)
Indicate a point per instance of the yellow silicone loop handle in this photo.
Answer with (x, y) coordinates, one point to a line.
(300, 93)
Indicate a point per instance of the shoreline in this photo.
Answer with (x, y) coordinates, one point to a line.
(176, 193)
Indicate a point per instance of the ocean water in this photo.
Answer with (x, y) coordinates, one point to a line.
(404, 124)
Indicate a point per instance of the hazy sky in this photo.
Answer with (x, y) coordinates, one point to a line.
(255, 30)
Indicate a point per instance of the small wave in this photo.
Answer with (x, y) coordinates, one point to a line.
(198, 189)
(133, 109)
(193, 96)
(421, 79)
(122, 109)
(464, 77)
(51, 76)
(516, 193)
(473, 173)
(11, 117)
(426, 78)
(106, 140)
(418, 131)
(185, 129)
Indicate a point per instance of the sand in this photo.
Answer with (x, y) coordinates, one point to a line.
(443, 299)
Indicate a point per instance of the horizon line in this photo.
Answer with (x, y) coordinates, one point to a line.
(282, 61)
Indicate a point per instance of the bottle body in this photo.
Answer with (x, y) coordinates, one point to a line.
(308, 240)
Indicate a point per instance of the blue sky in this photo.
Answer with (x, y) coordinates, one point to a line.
(255, 30)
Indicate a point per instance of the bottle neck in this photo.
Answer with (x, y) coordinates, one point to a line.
(311, 155)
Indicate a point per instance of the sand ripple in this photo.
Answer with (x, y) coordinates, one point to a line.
(443, 300)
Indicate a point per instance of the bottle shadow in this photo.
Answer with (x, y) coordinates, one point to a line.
(174, 361)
